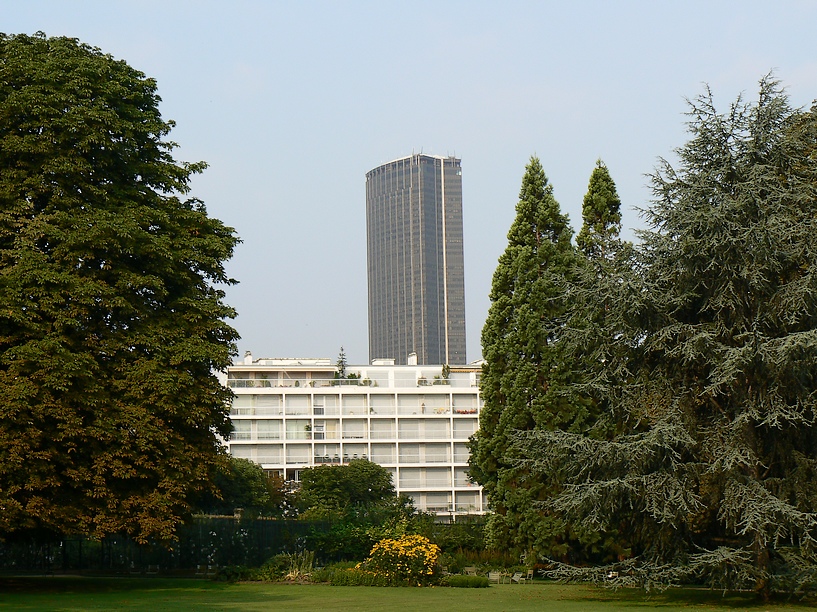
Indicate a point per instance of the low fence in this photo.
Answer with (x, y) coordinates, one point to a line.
(202, 543)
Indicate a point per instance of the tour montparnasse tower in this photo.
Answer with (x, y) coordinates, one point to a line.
(415, 260)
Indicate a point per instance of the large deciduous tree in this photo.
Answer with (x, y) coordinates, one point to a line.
(360, 500)
(111, 322)
(521, 385)
(712, 364)
(244, 486)
(336, 489)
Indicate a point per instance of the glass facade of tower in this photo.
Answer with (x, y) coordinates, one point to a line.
(415, 260)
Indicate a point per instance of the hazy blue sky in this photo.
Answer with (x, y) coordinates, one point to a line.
(291, 103)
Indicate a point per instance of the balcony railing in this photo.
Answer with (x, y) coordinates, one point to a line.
(275, 459)
(463, 482)
(432, 435)
(266, 383)
(383, 458)
(382, 435)
(466, 508)
(426, 459)
(336, 411)
(427, 483)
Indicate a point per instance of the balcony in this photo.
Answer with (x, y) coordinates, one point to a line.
(426, 459)
(277, 383)
(424, 483)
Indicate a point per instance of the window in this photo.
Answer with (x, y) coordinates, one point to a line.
(242, 404)
(298, 453)
(268, 404)
(242, 430)
(297, 404)
(463, 428)
(268, 430)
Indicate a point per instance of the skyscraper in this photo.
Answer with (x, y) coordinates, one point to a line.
(415, 260)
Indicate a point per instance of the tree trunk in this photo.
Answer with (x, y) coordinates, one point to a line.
(762, 565)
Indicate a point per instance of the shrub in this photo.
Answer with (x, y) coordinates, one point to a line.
(326, 574)
(300, 565)
(236, 573)
(354, 576)
(275, 568)
(410, 559)
(284, 566)
(466, 582)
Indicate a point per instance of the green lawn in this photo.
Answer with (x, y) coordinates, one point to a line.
(157, 594)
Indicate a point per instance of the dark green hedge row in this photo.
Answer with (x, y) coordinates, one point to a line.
(466, 582)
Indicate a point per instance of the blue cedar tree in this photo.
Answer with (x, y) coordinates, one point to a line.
(712, 364)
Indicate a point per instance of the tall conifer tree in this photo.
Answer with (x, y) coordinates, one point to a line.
(601, 213)
(712, 365)
(605, 261)
(521, 351)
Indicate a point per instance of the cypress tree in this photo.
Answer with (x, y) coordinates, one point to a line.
(601, 213)
(520, 343)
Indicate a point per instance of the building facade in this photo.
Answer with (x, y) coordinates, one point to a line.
(292, 414)
(415, 260)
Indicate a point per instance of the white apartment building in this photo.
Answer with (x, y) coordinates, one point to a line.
(291, 414)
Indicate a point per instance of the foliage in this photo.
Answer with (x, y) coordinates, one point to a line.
(356, 576)
(585, 344)
(465, 582)
(300, 565)
(522, 384)
(236, 573)
(411, 559)
(328, 490)
(601, 215)
(360, 501)
(243, 485)
(461, 535)
(111, 329)
(326, 573)
(341, 364)
(290, 567)
(482, 559)
(710, 365)
(352, 535)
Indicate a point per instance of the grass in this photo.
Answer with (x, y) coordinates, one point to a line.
(68, 593)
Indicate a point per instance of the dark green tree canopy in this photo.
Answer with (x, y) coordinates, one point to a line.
(521, 349)
(711, 372)
(334, 489)
(601, 213)
(111, 327)
(243, 485)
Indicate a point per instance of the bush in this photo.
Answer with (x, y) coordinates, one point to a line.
(360, 577)
(466, 582)
(326, 574)
(275, 568)
(410, 559)
(285, 566)
(236, 573)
